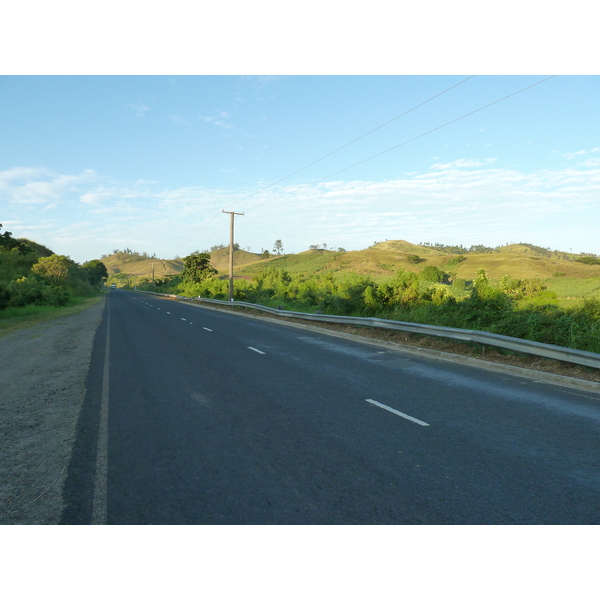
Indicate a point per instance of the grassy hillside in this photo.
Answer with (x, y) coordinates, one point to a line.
(386, 258)
(135, 265)
(219, 259)
(122, 263)
(560, 271)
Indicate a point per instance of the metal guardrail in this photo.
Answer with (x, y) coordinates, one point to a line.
(578, 357)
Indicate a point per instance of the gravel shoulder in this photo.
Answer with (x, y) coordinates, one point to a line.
(42, 388)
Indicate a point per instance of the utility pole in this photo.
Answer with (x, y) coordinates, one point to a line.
(231, 251)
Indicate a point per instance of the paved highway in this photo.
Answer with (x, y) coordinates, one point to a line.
(199, 416)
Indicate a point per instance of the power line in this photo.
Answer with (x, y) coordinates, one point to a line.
(402, 144)
(356, 139)
(333, 152)
(382, 152)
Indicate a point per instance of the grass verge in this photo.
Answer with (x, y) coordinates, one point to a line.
(14, 319)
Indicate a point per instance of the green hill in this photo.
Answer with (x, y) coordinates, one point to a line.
(219, 259)
(137, 265)
(560, 271)
(124, 263)
(384, 259)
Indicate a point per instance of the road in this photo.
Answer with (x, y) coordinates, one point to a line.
(199, 416)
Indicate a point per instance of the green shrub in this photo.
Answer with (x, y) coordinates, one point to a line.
(29, 290)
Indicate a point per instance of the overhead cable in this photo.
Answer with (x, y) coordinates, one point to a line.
(402, 144)
(333, 152)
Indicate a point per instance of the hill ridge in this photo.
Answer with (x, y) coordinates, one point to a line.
(381, 260)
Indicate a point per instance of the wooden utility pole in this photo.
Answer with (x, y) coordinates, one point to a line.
(231, 251)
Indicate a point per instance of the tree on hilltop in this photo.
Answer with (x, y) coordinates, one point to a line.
(7, 242)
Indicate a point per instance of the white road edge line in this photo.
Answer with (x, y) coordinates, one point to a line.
(397, 412)
(256, 350)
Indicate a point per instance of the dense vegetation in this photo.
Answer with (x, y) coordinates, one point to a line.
(510, 306)
(31, 274)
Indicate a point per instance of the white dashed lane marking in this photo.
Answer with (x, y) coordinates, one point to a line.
(400, 414)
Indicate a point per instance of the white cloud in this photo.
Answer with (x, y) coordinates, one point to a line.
(591, 162)
(178, 120)
(571, 155)
(37, 186)
(464, 201)
(462, 163)
(138, 108)
(219, 119)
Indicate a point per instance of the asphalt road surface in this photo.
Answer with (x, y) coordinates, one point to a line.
(199, 416)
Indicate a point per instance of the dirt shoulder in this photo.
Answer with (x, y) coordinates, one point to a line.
(42, 388)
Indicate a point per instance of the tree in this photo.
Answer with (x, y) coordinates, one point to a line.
(55, 267)
(96, 271)
(278, 248)
(197, 268)
(432, 274)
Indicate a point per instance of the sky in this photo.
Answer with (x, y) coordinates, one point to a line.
(142, 142)
(90, 164)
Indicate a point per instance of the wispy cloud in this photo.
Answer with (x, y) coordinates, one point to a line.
(178, 120)
(138, 108)
(38, 186)
(572, 155)
(464, 201)
(462, 163)
(219, 119)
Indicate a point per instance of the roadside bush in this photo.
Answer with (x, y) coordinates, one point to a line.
(4, 296)
(29, 290)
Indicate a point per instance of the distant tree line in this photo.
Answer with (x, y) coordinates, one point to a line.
(134, 254)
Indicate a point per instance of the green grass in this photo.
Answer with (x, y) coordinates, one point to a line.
(572, 291)
(309, 262)
(13, 319)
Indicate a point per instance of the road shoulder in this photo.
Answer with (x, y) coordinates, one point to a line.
(42, 379)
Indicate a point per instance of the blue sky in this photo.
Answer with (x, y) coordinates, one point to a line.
(89, 164)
